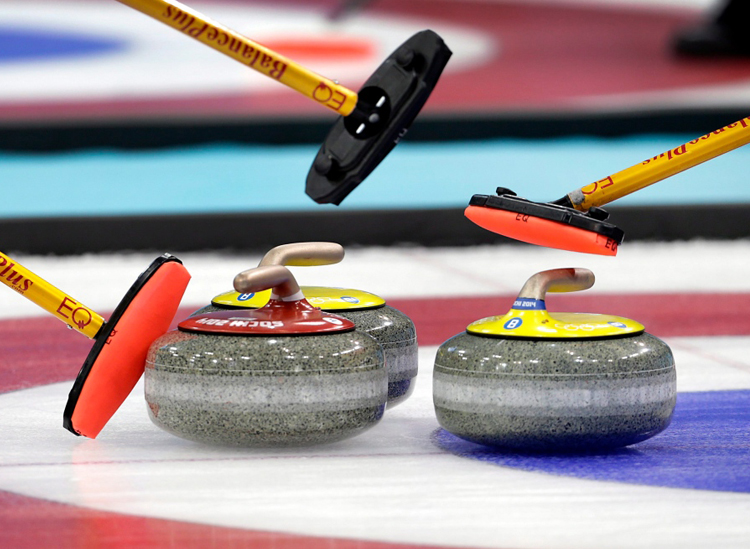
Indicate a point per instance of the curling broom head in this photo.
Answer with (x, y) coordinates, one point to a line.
(387, 104)
(549, 225)
(117, 359)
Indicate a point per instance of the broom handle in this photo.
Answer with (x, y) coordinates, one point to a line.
(660, 167)
(62, 306)
(240, 48)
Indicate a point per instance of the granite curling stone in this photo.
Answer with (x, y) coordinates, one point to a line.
(286, 374)
(394, 330)
(540, 382)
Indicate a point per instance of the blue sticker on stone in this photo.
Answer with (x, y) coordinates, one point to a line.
(245, 297)
(22, 45)
(513, 323)
(617, 324)
(349, 299)
(527, 304)
(704, 448)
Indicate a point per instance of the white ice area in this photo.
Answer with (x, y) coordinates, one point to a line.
(390, 483)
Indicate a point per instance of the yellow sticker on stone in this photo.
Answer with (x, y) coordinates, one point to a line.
(328, 299)
(538, 323)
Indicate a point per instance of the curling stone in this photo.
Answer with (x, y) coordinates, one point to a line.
(286, 374)
(535, 381)
(390, 327)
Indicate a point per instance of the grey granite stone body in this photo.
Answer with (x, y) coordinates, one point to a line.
(210, 308)
(554, 395)
(259, 391)
(397, 335)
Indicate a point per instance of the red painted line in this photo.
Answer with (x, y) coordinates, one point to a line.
(328, 48)
(663, 315)
(30, 523)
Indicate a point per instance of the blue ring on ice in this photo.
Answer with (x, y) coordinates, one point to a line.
(704, 448)
(18, 44)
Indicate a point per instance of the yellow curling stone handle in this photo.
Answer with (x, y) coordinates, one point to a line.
(667, 164)
(58, 303)
(529, 317)
(252, 54)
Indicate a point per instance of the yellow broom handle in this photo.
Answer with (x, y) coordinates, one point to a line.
(660, 167)
(254, 55)
(71, 312)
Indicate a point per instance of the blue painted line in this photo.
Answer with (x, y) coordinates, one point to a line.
(238, 179)
(706, 447)
(26, 45)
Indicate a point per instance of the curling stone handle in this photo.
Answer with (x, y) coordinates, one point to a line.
(557, 280)
(277, 277)
(304, 254)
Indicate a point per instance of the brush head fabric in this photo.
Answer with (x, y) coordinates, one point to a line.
(117, 359)
(549, 225)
